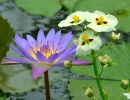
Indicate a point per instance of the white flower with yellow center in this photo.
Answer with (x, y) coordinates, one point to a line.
(100, 22)
(86, 42)
(73, 19)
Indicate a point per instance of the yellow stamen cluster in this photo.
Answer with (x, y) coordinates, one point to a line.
(75, 18)
(100, 19)
(85, 37)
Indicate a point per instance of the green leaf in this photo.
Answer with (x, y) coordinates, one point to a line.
(119, 8)
(120, 69)
(6, 34)
(2, 1)
(69, 4)
(43, 7)
(77, 89)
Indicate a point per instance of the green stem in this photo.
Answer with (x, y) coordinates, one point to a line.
(102, 70)
(84, 73)
(96, 74)
(80, 28)
(94, 98)
(105, 48)
(117, 93)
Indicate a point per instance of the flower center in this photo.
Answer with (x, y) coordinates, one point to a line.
(86, 39)
(46, 50)
(75, 18)
(100, 21)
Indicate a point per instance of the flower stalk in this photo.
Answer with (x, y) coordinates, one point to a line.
(84, 73)
(47, 88)
(104, 49)
(97, 75)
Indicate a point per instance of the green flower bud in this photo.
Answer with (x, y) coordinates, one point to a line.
(67, 64)
(89, 92)
(105, 60)
(125, 84)
(114, 37)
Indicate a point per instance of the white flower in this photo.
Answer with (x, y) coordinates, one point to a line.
(73, 19)
(86, 42)
(115, 37)
(127, 94)
(100, 22)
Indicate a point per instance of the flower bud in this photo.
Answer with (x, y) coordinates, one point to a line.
(114, 37)
(125, 84)
(67, 64)
(105, 60)
(106, 93)
(89, 92)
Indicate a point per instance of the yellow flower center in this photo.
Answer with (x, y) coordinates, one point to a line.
(85, 37)
(75, 18)
(100, 20)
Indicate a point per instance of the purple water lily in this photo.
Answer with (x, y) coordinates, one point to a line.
(44, 52)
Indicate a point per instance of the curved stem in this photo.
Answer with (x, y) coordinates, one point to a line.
(96, 74)
(117, 93)
(83, 72)
(102, 70)
(105, 48)
(94, 98)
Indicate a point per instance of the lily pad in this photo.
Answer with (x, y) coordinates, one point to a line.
(6, 34)
(69, 5)
(2, 1)
(119, 8)
(43, 7)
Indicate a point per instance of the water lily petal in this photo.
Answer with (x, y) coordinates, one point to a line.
(31, 41)
(65, 40)
(50, 35)
(16, 50)
(41, 57)
(23, 61)
(8, 62)
(79, 62)
(41, 37)
(52, 58)
(38, 71)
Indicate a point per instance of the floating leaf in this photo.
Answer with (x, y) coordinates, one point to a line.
(6, 34)
(119, 8)
(43, 7)
(2, 1)
(69, 4)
